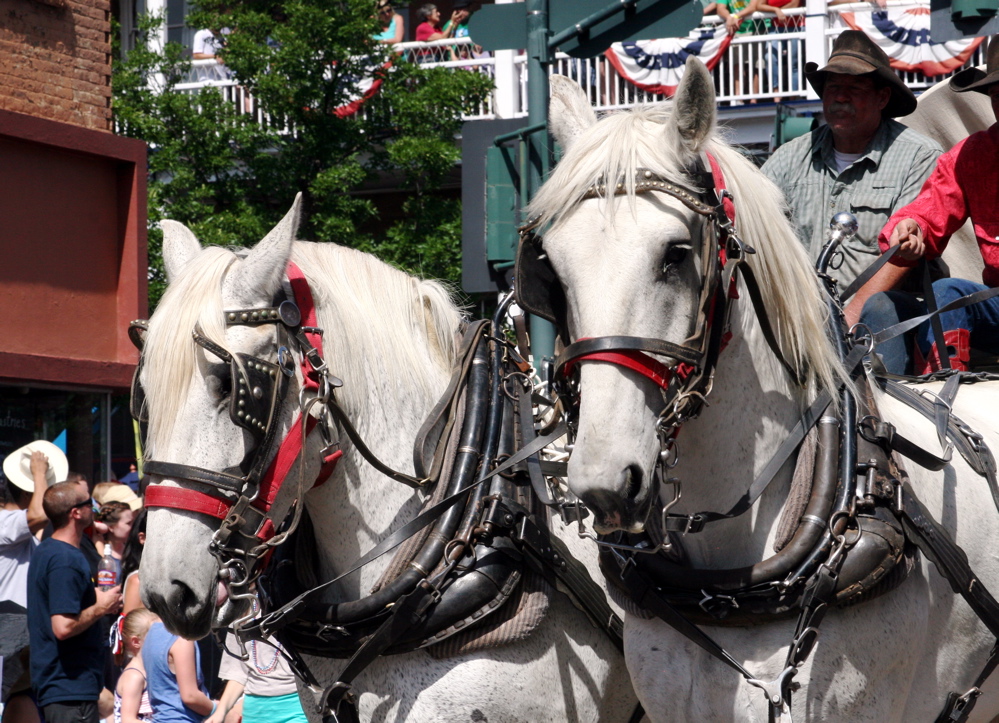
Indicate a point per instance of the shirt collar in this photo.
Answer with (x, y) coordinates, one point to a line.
(822, 145)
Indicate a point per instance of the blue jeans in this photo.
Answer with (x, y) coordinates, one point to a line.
(774, 61)
(891, 307)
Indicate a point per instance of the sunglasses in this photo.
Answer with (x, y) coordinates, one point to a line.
(86, 503)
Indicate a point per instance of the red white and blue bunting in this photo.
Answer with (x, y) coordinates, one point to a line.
(656, 66)
(362, 88)
(905, 37)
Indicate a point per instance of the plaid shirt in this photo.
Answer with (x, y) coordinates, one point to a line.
(887, 177)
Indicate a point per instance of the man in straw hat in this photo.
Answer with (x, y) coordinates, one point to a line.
(964, 184)
(861, 161)
(28, 472)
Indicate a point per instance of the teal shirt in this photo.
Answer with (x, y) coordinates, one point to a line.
(886, 177)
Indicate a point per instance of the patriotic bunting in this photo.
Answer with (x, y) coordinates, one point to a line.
(905, 37)
(361, 90)
(656, 66)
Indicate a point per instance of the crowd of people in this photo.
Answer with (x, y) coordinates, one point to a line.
(77, 645)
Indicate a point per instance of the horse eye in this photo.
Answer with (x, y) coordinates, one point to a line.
(219, 381)
(675, 255)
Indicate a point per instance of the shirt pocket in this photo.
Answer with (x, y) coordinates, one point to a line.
(872, 207)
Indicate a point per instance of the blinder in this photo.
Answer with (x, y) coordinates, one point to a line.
(538, 288)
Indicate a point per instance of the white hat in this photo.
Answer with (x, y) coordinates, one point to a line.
(17, 465)
(122, 493)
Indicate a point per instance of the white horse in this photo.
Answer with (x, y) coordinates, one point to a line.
(892, 659)
(390, 337)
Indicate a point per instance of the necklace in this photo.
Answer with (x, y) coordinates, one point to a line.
(270, 667)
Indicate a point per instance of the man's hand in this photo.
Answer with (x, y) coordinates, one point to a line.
(732, 23)
(108, 601)
(909, 236)
(39, 467)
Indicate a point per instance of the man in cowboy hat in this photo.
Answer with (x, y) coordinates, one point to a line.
(28, 472)
(964, 184)
(861, 161)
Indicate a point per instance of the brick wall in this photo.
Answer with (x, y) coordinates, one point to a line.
(55, 60)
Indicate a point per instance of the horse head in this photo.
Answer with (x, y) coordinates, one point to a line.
(189, 360)
(637, 239)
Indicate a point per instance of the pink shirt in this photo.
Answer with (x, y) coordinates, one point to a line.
(964, 184)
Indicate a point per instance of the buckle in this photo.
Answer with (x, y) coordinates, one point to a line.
(684, 523)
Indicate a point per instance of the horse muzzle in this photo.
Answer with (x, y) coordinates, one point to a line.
(623, 506)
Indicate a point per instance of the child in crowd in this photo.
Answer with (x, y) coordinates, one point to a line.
(173, 677)
(131, 697)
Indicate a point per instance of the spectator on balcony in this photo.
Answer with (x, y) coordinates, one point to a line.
(965, 184)
(206, 46)
(430, 24)
(861, 161)
(738, 17)
(392, 24)
(783, 24)
(461, 11)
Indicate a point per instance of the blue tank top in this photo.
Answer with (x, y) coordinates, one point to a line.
(388, 33)
(164, 693)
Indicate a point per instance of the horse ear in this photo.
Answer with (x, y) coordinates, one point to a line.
(694, 105)
(180, 246)
(263, 268)
(569, 112)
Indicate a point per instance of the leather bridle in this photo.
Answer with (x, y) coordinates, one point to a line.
(684, 371)
(243, 497)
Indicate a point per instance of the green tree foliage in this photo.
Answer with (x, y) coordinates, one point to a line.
(230, 174)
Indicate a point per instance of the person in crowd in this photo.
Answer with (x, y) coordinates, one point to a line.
(131, 696)
(130, 559)
(118, 517)
(778, 48)
(206, 46)
(19, 705)
(964, 184)
(738, 17)
(430, 24)
(27, 475)
(862, 160)
(67, 652)
(132, 478)
(461, 12)
(174, 679)
(392, 24)
(265, 683)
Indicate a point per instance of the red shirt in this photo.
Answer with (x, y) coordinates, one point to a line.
(793, 21)
(424, 30)
(965, 184)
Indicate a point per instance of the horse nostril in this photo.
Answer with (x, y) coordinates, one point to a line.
(632, 481)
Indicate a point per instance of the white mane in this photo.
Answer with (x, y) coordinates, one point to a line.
(645, 137)
(382, 326)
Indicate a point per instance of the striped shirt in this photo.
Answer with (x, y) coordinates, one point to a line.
(887, 176)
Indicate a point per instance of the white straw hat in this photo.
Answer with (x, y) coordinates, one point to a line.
(122, 493)
(17, 465)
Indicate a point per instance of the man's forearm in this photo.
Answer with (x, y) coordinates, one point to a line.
(69, 626)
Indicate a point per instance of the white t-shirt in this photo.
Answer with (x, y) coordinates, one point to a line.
(844, 160)
(206, 42)
(16, 545)
(266, 673)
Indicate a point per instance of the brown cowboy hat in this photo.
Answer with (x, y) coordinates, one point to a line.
(854, 53)
(977, 79)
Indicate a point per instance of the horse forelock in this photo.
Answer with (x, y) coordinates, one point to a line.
(384, 327)
(645, 137)
(612, 149)
(170, 354)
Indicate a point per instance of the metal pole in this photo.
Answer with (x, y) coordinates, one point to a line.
(539, 57)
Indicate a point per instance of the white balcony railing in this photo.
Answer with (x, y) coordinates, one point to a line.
(754, 69)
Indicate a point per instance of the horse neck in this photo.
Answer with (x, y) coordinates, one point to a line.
(359, 506)
(752, 409)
